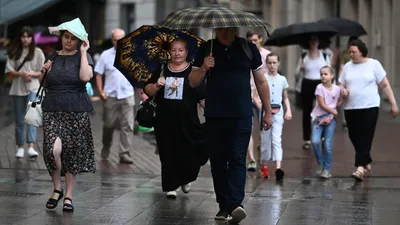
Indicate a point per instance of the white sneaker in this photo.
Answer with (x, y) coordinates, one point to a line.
(171, 194)
(20, 153)
(237, 215)
(186, 188)
(32, 152)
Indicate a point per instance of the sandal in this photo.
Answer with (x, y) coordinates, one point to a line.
(68, 207)
(358, 175)
(367, 170)
(52, 203)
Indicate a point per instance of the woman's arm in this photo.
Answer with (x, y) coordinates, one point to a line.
(385, 86)
(151, 89)
(86, 71)
(286, 101)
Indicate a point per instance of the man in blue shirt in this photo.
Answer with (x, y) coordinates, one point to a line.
(228, 113)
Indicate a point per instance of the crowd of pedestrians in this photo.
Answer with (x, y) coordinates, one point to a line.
(237, 83)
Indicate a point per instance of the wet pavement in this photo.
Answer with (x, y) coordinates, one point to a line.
(131, 194)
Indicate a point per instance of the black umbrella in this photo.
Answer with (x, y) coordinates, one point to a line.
(345, 27)
(299, 33)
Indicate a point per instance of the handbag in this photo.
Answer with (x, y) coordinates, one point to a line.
(34, 113)
(146, 112)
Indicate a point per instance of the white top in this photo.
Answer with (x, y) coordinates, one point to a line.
(19, 87)
(276, 86)
(361, 80)
(115, 85)
(313, 66)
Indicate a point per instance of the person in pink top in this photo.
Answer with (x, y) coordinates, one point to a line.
(324, 120)
(255, 37)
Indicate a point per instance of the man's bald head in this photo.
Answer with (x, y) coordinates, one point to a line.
(116, 35)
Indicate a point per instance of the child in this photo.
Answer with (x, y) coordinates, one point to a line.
(271, 145)
(324, 121)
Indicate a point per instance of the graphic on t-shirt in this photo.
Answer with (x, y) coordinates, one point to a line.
(173, 88)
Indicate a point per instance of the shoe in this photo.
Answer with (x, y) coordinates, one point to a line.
(252, 166)
(125, 158)
(186, 188)
(319, 170)
(144, 129)
(32, 153)
(306, 146)
(279, 174)
(221, 215)
(20, 153)
(237, 215)
(68, 207)
(52, 203)
(264, 171)
(105, 152)
(171, 194)
(325, 174)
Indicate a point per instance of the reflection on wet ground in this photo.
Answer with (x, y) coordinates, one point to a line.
(136, 199)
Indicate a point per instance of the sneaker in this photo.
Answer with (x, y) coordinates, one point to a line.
(221, 215)
(171, 194)
(264, 171)
(20, 153)
(252, 166)
(125, 158)
(32, 153)
(325, 174)
(237, 215)
(186, 188)
(319, 170)
(279, 174)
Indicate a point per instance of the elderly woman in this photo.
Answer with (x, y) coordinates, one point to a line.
(68, 143)
(177, 125)
(24, 63)
(360, 81)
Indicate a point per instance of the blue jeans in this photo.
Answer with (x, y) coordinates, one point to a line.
(328, 131)
(20, 103)
(227, 143)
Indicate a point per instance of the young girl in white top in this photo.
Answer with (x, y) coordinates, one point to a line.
(324, 121)
(271, 142)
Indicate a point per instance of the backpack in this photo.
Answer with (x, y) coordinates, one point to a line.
(303, 55)
(243, 43)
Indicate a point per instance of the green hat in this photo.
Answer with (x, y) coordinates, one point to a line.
(74, 26)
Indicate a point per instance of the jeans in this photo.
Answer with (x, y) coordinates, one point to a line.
(328, 131)
(227, 142)
(20, 103)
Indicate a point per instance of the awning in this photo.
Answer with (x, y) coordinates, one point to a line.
(13, 10)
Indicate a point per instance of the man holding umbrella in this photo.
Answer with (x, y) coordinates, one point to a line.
(228, 112)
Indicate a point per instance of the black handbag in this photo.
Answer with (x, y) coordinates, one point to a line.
(146, 112)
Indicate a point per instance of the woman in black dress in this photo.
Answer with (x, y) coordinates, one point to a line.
(68, 142)
(177, 126)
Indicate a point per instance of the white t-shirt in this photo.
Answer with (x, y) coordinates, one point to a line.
(313, 66)
(362, 80)
(276, 84)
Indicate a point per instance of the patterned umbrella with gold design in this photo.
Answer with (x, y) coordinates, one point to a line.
(141, 52)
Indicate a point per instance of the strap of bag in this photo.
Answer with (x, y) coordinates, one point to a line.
(22, 64)
(41, 89)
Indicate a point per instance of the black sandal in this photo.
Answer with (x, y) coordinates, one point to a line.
(52, 203)
(68, 207)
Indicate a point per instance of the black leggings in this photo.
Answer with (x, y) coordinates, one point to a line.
(307, 103)
(361, 124)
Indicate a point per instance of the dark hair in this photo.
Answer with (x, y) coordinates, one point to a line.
(273, 54)
(331, 70)
(15, 51)
(250, 33)
(362, 47)
(184, 41)
(62, 32)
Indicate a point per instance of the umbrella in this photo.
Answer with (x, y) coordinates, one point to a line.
(41, 39)
(345, 27)
(213, 16)
(299, 33)
(141, 52)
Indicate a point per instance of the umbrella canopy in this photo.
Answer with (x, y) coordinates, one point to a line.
(345, 27)
(41, 39)
(213, 16)
(141, 52)
(299, 33)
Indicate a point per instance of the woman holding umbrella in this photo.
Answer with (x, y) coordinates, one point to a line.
(177, 126)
